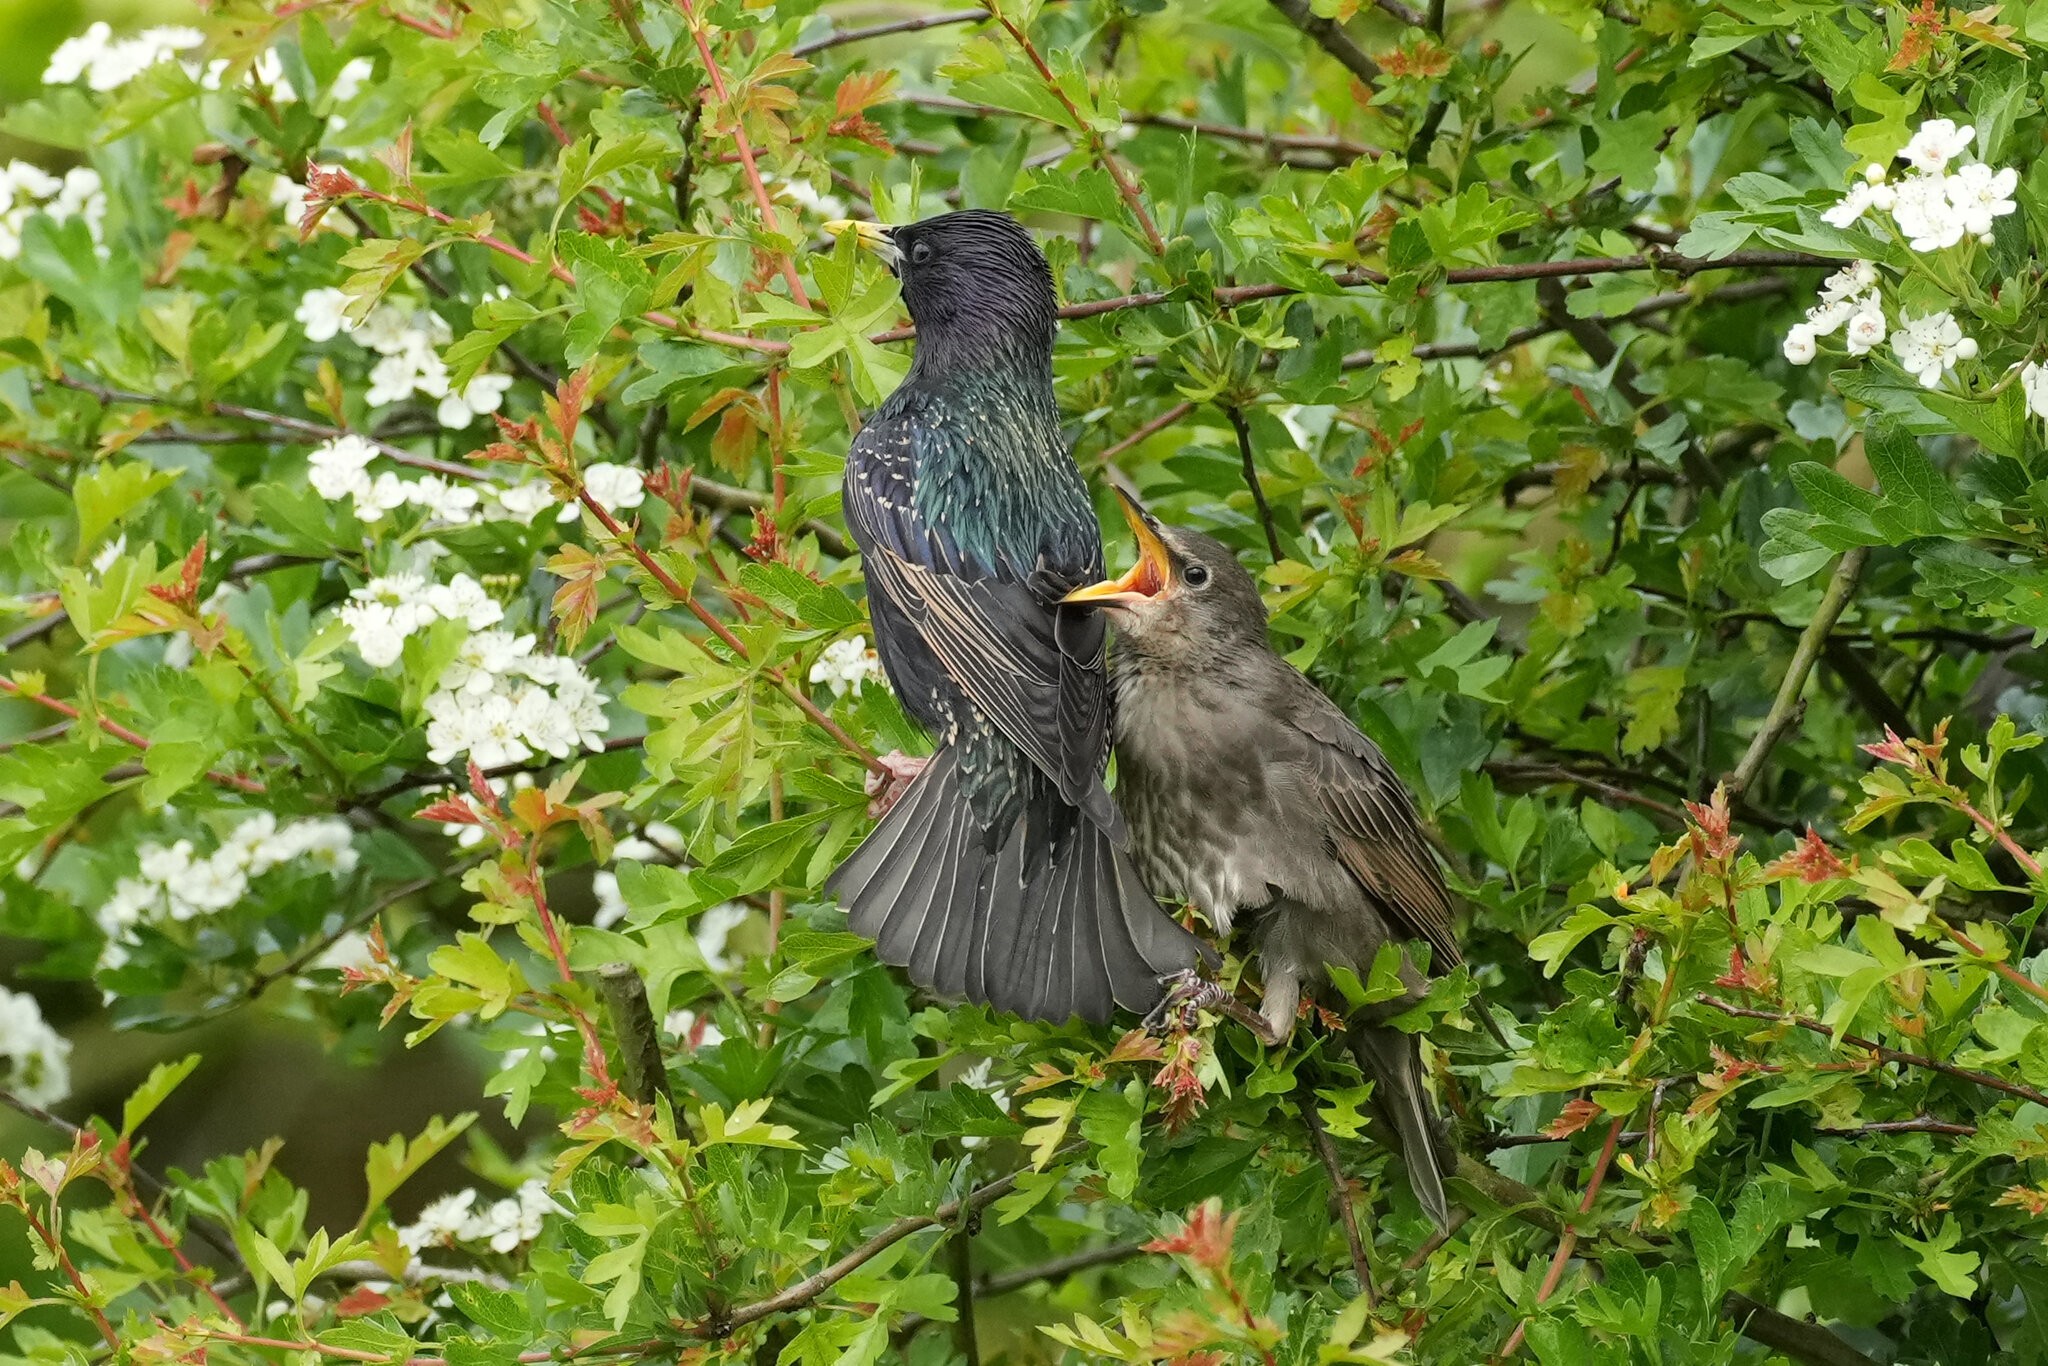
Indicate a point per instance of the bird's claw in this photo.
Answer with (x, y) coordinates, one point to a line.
(1188, 994)
(886, 788)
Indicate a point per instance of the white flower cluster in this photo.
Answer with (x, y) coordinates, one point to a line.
(340, 468)
(35, 1060)
(458, 1220)
(173, 882)
(406, 338)
(384, 611)
(846, 665)
(497, 701)
(501, 703)
(108, 63)
(1933, 206)
(1927, 347)
(26, 189)
(1848, 298)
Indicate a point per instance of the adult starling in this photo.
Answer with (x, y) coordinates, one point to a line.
(1000, 875)
(1251, 794)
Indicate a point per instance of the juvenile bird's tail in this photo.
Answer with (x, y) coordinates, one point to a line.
(1392, 1061)
(1044, 922)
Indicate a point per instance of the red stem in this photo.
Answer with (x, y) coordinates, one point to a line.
(123, 734)
(70, 1267)
(1569, 1243)
(724, 633)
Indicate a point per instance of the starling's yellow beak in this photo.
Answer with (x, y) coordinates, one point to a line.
(1148, 578)
(872, 236)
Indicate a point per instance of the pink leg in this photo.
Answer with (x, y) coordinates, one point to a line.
(888, 788)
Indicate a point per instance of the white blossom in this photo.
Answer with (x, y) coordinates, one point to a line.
(1937, 142)
(846, 665)
(459, 1219)
(978, 1078)
(521, 501)
(35, 1060)
(713, 931)
(1929, 347)
(173, 883)
(1979, 194)
(1850, 283)
(1926, 215)
(1866, 329)
(2034, 385)
(483, 395)
(617, 488)
(1799, 346)
(323, 313)
(338, 468)
(27, 189)
(440, 1224)
(1845, 212)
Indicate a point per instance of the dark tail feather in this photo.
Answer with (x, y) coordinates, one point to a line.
(1047, 924)
(1393, 1062)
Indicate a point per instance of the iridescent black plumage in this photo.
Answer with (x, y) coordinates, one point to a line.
(1000, 876)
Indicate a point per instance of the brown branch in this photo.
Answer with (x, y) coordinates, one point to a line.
(917, 25)
(633, 1025)
(1922, 1124)
(1340, 1192)
(1515, 769)
(1330, 36)
(1796, 1338)
(1251, 477)
(1813, 1026)
(810, 1287)
(1786, 706)
(1601, 349)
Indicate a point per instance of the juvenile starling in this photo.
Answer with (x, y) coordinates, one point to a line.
(1000, 875)
(1251, 794)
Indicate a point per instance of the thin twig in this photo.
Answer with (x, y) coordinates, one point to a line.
(1812, 1026)
(1251, 477)
(810, 1287)
(123, 734)
(1569, 1242)
(1340, 1192)
(299, 961)
(1330, 36)
(1785, 707)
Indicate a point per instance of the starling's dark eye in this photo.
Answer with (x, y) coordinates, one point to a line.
(1197, 576)
(920, 252)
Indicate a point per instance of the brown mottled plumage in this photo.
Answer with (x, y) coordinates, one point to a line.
(1250, 793)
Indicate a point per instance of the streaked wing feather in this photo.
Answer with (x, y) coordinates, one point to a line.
(1376, 831)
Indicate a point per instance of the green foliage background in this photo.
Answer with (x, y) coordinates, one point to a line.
(1488, 299)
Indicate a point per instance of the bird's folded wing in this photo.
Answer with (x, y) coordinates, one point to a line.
(1374, 825)
(1034, 671)
(1031, 667)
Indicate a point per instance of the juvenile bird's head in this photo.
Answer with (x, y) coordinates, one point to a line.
(976, 285)
(1187, 598)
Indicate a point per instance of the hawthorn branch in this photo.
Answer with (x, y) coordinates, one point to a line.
(1812, 1026)
(123, 734)
(1796, 1338)
(1340, 1193)
(810, 1287)
(1569, 1242)
(632, 1016)
(299, 961)
(1330, 36)
(1786, 706)
(1125, 188)
(1251, 477)
(675, 590)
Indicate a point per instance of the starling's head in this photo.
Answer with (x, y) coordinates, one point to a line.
(973, 278)
(1186, 597)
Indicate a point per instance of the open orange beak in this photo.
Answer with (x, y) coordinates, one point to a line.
(1148, 578)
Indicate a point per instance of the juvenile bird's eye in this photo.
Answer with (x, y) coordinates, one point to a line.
(920, 252)
(1197, 575)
